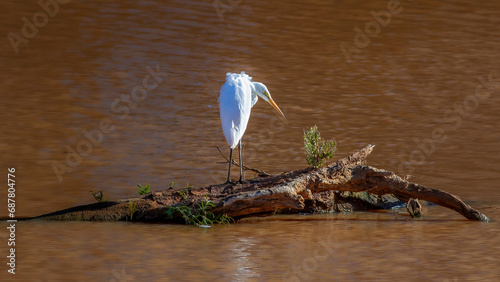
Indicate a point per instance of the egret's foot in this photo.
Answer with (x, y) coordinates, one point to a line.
(228, 182)
(242, 181)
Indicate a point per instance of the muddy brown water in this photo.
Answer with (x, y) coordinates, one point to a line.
(422, 85)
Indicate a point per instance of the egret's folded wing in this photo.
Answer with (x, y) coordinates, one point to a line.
(234, 104)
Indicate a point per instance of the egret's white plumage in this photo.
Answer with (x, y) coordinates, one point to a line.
(235, 103)
(237, 97)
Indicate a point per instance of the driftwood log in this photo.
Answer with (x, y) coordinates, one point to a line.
(347, 184)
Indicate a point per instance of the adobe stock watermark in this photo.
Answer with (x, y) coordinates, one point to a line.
(49, 9)
(95, 137)
(325, 249)
(222, 6)
(121, 275)
(265, 136)
(453, 119)
(372, 29)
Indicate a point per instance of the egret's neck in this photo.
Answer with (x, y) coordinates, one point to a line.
(258, 89)
(254, 93)
(254, 90)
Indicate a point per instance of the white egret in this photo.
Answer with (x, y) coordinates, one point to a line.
(237, 97)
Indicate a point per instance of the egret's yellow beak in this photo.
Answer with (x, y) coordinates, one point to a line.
(271, 101)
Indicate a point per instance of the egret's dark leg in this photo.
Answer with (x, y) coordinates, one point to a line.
(241, 165)
(229, 170)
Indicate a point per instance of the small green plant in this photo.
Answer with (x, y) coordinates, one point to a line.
(172, 185)
(143, 190)
(204, 216)
(200, 214)
(184, 192)
(98, 196)
(225, 220)
(183, 210)
(318, 151)
(131, 208)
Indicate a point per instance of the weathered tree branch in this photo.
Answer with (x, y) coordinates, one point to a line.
(299, 191)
